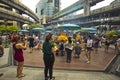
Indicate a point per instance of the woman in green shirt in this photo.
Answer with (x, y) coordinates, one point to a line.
(48, 57)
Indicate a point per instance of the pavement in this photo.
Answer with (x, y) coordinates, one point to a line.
(37, 73)
(99, 61)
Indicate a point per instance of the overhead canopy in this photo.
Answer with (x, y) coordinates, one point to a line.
(88, 29)
(118, 30)
(69, 26)
(23, 30)
(38, 29)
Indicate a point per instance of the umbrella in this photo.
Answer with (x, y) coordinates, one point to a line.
(118, 30)
(89, 29)
(23, 30)
(69, 26)
(38, 29)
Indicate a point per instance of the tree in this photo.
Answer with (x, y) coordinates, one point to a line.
(2, 28)
(12, 28)
(6, 29)
(111, 33)
(35, 26)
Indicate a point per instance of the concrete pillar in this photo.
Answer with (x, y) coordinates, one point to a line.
(16, 23)
(19, 24)
(86, 8)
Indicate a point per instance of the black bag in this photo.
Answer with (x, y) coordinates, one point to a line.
(1, 53)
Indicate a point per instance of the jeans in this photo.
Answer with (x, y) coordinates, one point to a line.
(48, 61)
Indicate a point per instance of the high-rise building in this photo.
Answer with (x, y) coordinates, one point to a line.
(45, 9)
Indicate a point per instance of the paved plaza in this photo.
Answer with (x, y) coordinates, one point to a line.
(76, 70)
(99, 61)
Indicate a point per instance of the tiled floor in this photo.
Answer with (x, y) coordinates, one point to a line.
(99, 61)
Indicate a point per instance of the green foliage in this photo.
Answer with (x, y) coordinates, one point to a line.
(12, 28)
(111, 33)
(4, 28)
(35, 26)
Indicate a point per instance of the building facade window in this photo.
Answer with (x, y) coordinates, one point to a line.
(36, 10)
(50, 1)
(42, 11)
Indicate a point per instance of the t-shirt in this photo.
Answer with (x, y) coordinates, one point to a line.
(47, 47)
(31, 40)
(89, 43)
(69, 45)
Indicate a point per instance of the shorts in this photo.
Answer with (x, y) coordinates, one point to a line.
(89, 48)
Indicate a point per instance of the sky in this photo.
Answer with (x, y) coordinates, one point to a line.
(64, 3)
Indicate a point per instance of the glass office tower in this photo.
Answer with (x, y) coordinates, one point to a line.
(45, 9)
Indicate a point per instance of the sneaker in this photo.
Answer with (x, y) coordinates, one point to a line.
(88, 62)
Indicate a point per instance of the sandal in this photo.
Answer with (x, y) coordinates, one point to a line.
(22, 75)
